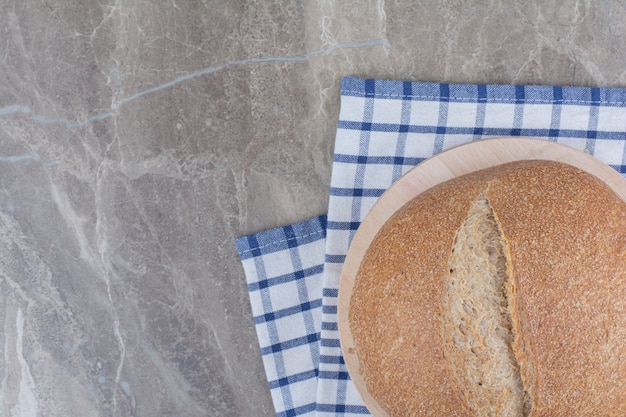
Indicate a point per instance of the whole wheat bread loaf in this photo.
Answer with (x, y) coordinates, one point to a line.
(499, 293)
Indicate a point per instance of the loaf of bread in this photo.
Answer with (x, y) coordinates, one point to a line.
(498, 293)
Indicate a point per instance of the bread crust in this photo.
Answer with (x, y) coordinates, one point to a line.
(565, 234)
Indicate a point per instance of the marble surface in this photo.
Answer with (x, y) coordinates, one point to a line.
(138, 138)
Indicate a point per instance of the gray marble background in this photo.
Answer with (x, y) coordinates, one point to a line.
(139, 138)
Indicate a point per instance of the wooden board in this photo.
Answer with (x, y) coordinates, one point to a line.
(454, 162)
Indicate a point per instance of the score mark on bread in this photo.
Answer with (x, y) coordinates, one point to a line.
(477, 323)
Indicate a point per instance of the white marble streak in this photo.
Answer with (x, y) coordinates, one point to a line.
(27, 405)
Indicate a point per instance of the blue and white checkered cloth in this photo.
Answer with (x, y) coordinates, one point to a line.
(386, 128)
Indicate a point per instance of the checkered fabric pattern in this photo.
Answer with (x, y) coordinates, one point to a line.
(385, 128)
(284, 269)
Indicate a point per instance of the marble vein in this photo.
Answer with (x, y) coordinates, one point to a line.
(98, 262)
(21, 109)
(27, 405)
(105, 266)
(30, 156)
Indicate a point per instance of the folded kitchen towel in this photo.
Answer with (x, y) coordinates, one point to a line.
(385, 128)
